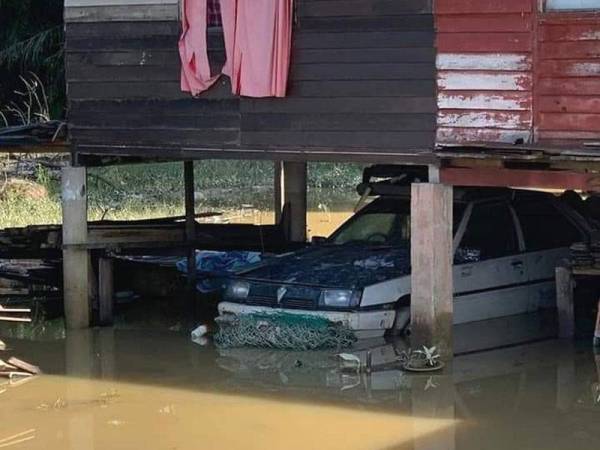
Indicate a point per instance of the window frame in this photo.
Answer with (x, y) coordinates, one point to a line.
(464, 226)
(543, 7)
(561, 210)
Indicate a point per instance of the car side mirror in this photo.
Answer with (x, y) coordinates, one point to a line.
(318, 240)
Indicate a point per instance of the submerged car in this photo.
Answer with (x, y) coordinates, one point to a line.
(507, 243)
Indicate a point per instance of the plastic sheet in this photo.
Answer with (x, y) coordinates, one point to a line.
(213, 267)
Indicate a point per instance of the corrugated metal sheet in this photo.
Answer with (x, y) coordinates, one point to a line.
(567, 100)
(484, 70)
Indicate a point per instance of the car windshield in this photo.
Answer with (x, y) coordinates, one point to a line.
(381, 225)
(385, 222)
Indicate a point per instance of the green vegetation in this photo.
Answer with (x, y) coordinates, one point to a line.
(156, 190)
(31, 41)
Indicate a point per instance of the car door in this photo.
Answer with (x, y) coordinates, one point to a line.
(548, 231)
(496, 284)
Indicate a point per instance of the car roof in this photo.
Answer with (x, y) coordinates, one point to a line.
(462, 194)
(389, 180)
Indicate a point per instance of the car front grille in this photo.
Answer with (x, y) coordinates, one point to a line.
(261, 301)
(298, 303)
(295, 297)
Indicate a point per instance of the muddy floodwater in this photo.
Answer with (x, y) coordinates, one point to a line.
(107, 389)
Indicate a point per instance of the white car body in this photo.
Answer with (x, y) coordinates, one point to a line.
(509, 285)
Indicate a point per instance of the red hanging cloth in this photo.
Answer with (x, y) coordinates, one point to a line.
(258, 36)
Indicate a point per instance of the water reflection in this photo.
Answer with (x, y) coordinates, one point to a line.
(116, 389)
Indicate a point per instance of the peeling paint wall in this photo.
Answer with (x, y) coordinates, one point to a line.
(510, 71)
(484, 62)
(568, 78)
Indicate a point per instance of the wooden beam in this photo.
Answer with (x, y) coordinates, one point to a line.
(110, 13)
(75, 261)
(564, 302)
(431, 262)
(105, 290)
(501, 177)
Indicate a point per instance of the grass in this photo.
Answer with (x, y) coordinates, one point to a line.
(156, 190)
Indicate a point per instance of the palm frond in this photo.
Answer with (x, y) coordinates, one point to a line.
(33, 50)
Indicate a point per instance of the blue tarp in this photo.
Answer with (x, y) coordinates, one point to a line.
(213, 267)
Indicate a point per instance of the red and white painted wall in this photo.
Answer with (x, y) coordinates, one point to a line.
(518, 70)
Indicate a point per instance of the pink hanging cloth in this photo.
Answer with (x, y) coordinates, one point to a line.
(258, 37)
(262, 48)
(193, 48)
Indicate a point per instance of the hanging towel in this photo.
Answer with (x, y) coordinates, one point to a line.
(258, 36)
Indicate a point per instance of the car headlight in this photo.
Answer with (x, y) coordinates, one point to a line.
(238, 289)
(340, 298)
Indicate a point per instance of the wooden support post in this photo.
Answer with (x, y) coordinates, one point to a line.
(75, 261)
(278, 190)
(190, 224)
(294, 193)
(597, 330)
(431, 261)
(565, 285)
(433, 173)
(105, 290)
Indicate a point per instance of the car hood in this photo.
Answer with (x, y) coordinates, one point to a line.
(346, 266)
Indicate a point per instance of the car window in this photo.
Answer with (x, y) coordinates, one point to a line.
(544, 226)
(491, 231)
(386, 221)
(375, 228)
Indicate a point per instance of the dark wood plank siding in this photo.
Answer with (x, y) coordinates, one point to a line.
(362, 80)
(363, 75)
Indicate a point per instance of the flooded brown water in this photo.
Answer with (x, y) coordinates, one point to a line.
(318, 223)
(107, 389)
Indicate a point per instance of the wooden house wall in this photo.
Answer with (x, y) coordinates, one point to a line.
(362, 85)
(510, 71)
(568, 78)
(484, 62)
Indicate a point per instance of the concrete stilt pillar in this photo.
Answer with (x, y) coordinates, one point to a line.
(431, 262)
(75, 259)
(294, 192)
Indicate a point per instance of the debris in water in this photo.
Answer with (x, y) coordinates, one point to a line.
(199, 332)
(18, 438)
(199, 335)
(16, 370)
(350, 361)
(25, 366)
(14, 314)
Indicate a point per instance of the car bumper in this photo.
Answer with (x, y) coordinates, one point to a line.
(365, 324)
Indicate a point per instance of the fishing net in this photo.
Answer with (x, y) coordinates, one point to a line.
(282, 331)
